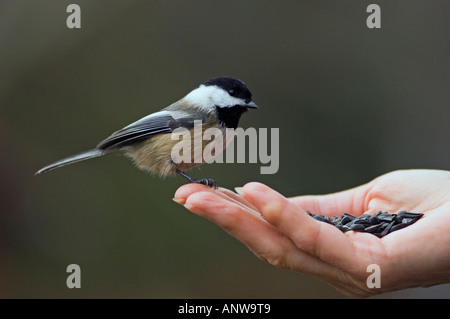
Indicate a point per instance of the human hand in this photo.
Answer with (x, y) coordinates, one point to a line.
(278, 230)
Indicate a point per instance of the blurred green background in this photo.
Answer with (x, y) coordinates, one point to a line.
(351, 103)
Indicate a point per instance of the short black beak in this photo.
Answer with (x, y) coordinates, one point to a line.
(251, 105)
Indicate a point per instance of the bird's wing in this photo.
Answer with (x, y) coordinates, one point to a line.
(149, 125)
(156, 123)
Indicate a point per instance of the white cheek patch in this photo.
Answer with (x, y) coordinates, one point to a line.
(206, 97)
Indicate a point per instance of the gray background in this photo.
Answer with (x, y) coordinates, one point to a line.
(351, 103)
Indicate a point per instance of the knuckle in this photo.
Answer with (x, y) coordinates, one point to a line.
(276, 260)
(275, 210)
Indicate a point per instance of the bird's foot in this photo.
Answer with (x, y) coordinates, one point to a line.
(204, 181)
(207, 182)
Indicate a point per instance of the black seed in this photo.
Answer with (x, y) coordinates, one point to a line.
(405, 214)
(357, 227)
(408, 221)
(398, 226)
(322, 218)
(400, 214)
(362, 221)
(346, 219)
(387, 229)
(374, 220)
(349, 215)
(383, 225)
(336, 219)
(372, 229)
(343, 228)
(385, 217)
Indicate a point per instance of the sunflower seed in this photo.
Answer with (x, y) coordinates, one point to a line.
(374, 220)
(388, 228)
(372, 229)
(357, 227)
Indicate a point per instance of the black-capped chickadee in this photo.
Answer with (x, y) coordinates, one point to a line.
(217, 103)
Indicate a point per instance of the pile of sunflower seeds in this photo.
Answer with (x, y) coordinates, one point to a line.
(380, 224)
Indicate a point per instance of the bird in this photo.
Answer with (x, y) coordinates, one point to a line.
(217, 103)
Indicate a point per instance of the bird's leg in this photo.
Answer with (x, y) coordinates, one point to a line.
(205, 181)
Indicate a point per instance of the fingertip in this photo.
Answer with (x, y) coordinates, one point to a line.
(258, 191)
(254, 185)
(195, 202)
(184, 191)
(198, 197)
(203, 201)
(254, 189)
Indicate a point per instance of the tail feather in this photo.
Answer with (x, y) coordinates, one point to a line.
(73, 159)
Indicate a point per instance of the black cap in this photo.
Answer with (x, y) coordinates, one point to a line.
(233, 86)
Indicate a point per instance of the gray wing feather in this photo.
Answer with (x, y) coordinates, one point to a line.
(164, 121)
(156, 123)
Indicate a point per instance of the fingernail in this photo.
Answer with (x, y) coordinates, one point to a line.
(238, 190)
(180, 201)
(188, 206)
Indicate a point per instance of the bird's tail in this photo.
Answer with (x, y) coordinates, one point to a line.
(73, 159)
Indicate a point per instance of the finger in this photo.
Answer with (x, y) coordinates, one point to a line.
(258, 235)
(186, 190)
(314, 237)
(351, 201)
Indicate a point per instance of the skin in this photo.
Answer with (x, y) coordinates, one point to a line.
(278, 230)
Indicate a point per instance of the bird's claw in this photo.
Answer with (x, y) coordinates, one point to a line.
(207, 182)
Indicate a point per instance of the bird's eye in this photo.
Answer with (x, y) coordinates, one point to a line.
(231, 92)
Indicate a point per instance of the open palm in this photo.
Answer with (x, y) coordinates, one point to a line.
(278, 230)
